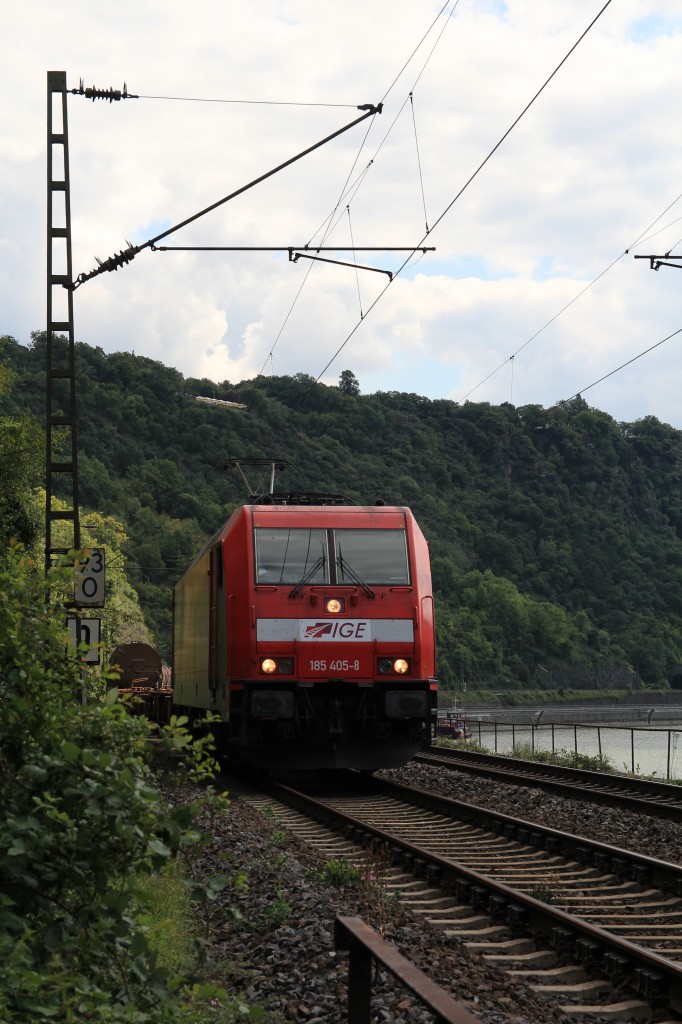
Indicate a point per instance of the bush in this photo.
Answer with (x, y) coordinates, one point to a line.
(81, 824)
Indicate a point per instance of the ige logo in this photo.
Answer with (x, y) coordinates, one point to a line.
(334, 629)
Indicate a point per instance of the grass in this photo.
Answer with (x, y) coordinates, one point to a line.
(564, 758)
(170, 920)
(172, 930)
(525, 752)
(474, 745)
(339, 873)
(544, 892)
(517, 698)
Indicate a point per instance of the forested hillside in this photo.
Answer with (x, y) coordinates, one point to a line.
(556, 534)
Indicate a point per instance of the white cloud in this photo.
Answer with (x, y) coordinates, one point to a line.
(590, 167)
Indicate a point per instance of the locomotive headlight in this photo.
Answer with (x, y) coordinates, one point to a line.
(393, 666)
(282, 666)
(334, 605)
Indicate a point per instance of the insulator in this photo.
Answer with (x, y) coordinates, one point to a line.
(119, 259)
(111, 94)
(113, 263)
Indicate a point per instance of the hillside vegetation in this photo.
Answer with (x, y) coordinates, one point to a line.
(556, 534)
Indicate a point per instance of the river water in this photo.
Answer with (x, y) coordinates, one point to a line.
(644, 751)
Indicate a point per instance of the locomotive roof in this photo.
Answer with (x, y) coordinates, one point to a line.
(326, 510)
(300, 498)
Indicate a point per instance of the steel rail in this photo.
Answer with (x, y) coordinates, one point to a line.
(657, 798)
(647, 973)
(637, 866)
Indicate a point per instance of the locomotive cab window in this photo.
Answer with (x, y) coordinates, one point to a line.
(300, 556)
(291, 555)
(376, 556)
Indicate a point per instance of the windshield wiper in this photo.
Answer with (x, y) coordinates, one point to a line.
(319, 564)
(347, 570)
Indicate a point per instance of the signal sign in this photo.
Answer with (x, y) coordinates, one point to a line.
(85, 631)
(89, 579)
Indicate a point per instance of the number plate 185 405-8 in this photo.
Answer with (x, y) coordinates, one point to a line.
(315, 664)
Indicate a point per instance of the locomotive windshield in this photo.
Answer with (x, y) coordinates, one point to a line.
(376, 556)
(294, 555)
(287, 556)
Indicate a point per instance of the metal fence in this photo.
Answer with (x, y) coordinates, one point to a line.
(642, 750)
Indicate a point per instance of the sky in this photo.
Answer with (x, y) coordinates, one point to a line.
(532, 294)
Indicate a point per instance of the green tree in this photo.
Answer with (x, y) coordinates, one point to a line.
(122, 618)
(84, 835)
(21, 458)
(348, 383)
(79, 821)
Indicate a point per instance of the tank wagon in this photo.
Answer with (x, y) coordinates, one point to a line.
(309, 630)
(138, 663)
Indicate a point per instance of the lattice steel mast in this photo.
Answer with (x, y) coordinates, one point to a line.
(60, 415)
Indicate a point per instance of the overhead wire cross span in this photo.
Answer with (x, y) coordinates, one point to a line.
(468, 182)
(127, 255)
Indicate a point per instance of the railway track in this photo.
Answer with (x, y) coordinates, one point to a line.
(645, 795)
(597, 927)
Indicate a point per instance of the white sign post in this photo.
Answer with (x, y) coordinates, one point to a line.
(89, 579)
(85, 631)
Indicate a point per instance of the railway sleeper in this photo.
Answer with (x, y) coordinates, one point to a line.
(536, 958)
(486, 927)
(437, 905)
(594, 987)
(506, 946)
(630, 1011)
(491, 930)
(472, 924)
(406, 883)
(568, 973)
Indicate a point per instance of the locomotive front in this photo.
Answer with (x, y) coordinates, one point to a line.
(320, 643)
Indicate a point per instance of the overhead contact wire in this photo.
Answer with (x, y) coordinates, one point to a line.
(565, 401)
(309, 269)
(622, 367)
(263, 103)
(346, 188)
(522, 114)
(357, 276)
(638, 241)
(419, 165)
(467, 183)
(418, 46)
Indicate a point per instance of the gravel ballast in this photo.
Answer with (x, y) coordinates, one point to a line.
(630, 830)
(290, 966)
(272, 929)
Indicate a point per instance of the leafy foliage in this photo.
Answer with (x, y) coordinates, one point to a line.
(348, 383)
(339, 873)
(81, 823)
(21, 461)
(556, 534)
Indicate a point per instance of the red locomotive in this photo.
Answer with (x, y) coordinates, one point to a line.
(309, 629)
